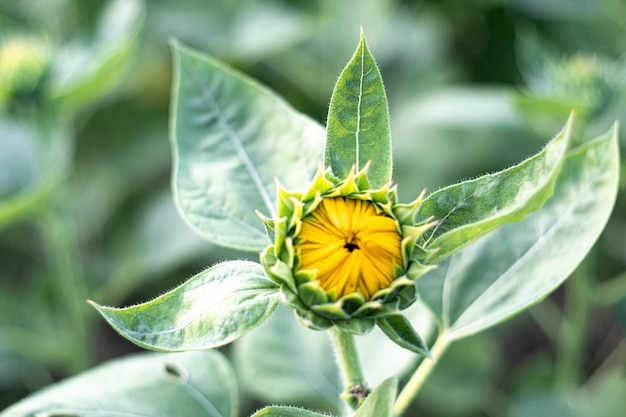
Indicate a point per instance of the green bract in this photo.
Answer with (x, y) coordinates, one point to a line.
(320, 309)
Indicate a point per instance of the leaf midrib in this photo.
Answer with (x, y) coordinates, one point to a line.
(265, 293)
(517, 264)
(357, 133)
(206, 93)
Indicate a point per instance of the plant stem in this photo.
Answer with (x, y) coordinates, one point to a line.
(573, 337)
(65, 270)
(348, 361)
(412, 388)
(611, 291)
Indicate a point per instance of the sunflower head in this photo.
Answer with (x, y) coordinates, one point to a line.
(345, 254)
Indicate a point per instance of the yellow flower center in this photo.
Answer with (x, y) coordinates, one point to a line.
(352, 247)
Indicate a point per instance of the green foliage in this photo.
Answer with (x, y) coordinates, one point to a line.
(357, 130)
(380, 401)
(84, 209)
(225, 164)
(291, 360)
(471, 209)
(211, 309)
(283, 411)
(519, 264)
(399, 329)
(183, 384)
(34, 165)
(88, 68)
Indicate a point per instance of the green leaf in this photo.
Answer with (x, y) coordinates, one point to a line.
(472, 209)
(465, 369)
(231, 139)
(358, 129)
(380, 357)
(213, 308)
(34, 161)
(294, 363)
(380, 401)
(520, 264)
(286, 411)
(86, 70)
(399, 330)
(198, 384)
(601, 396)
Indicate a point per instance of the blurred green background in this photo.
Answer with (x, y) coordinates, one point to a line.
(474, 86)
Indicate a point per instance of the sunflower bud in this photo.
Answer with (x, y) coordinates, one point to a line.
(23, 62)
(345, 254)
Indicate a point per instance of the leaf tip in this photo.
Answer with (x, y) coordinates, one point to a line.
(174, 43)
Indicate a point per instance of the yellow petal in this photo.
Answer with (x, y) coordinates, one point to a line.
(351, 246)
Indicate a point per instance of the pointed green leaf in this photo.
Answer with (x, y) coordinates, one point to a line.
(213, 308)
(399, 330)
(357, 130)
(472, 209)
(521, 263)
(380, 401)
(145, 384)
(286, 411)
(231, 138)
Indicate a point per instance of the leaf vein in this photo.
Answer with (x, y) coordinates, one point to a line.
(521, 260)
(206, 93)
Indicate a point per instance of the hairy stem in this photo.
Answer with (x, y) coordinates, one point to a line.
(412, 388)
(349, 365)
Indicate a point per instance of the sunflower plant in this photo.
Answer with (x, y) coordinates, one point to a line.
(337, 246)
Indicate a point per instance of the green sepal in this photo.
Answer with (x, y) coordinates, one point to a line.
(360, 325)
(407, 296)
(300, 289)
(375, 309)
(280, 232)
(407, 213)
(399, 330)
(410, 236)
(304, 276)
(298, 209)
(269, 222)
(321, 185)
(312, 294)
(289, 204)
(383, 196)
(293, 300)
(288, 254)
(332, 311)
(312, 320)
(416, 269)
(347, 187)
(352, 302)
(268, 225)
(281, 271)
